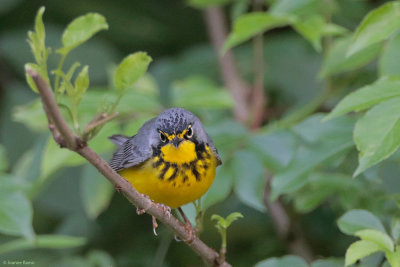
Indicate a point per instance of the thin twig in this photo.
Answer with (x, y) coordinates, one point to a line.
(208, 255)
(217, 30)
(97, 121)
(287, 232)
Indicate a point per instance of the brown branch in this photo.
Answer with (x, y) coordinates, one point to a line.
(52, 111)
(98, 120)
(74, 143)
(287, 232)
(217, 30)
(258, 97)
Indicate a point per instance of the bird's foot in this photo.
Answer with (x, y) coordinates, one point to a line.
(155, 225)
(188, 228)
(166, 209)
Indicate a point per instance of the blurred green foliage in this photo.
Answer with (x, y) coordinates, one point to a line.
(56, 210)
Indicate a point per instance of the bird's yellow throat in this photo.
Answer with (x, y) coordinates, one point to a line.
(184, 153)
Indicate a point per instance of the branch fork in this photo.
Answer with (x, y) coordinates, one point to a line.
(64, 136)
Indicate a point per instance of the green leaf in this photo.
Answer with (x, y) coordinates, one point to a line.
(377, 237)
(395, 229)
(249, 25)
(367, 96)
(200, 92)
(330, 262)
(100, 259)
(28, 77)
(301, 8)
(32, 116)
(208, 3)
(15, 214)
(292, 261)
(81, 85)
(336, 60)
(249, 179)
(275, 148)
(359, 250)
(220, 189)
(394, 257)
(96, 191)
(313, 28)
(327, 141)
(54, 158)
(39, 26)
(232, 217)
(388, 63)
(377, 26)
(130, 70)
(82, 29)
(226, 222)
(3, 159)
(356, 220)
(43, 241)
(376, 134)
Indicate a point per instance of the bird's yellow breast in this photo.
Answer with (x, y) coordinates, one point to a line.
(177, 176)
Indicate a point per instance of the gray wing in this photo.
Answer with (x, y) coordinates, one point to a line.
(133, 150)
(214, 149)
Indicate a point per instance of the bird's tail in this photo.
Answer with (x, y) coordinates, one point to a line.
(118, 139)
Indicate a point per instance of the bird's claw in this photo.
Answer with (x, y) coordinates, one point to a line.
(155, 225)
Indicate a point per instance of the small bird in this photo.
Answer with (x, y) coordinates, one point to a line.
(171, 159)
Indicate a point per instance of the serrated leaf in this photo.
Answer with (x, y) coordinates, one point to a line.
(82, 29)
(249, 25)
(249, 179)
(356, 220)
(367, 96)
(377, 237)
(286, 261)
(376, 26)
(130, 70)
(43, 241)
(336, 60)
(359, 250)
(376, 134)
(96, 191)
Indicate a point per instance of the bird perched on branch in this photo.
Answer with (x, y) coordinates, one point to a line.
(171, 159)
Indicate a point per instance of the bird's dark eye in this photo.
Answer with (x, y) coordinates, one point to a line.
(163, 137)
(189, 132)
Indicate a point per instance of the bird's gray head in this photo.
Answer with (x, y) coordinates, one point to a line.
(177, 124)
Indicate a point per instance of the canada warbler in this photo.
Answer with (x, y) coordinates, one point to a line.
(171, 158)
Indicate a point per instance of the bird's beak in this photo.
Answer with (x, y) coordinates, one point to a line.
(176, 141)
